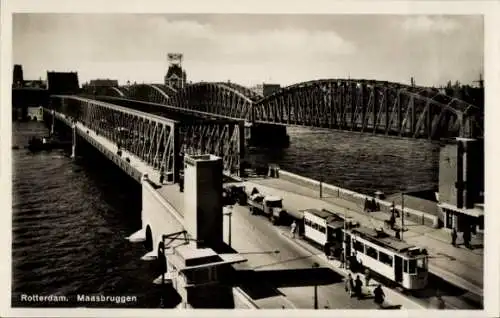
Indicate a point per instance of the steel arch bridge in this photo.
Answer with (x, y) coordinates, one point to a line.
(377, 107)
(370, 106)
(156, 140)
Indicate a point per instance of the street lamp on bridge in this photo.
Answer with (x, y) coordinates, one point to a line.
(228, 212)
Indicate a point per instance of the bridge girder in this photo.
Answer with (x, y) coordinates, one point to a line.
(254, 96)
(349, 104)
(369, 106)
(215, 98)
(104, 90)
(156, 93)
(156, 140)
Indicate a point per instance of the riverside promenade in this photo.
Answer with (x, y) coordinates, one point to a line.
(458, 265)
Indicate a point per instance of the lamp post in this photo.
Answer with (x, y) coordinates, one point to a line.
(344, 240)
(315, 265)
(321, 187)
(229, 213)
(402, 214)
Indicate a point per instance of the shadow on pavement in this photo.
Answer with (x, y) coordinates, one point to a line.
(264, 283)
(438, 285)
(393, 307)
(259, 290)
(475, 246)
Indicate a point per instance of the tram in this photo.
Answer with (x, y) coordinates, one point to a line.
(399, 262)
(324, 228)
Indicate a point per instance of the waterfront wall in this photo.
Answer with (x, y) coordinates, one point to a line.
(158, 214)
(329, 190)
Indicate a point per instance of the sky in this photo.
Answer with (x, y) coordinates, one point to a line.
(252, 49)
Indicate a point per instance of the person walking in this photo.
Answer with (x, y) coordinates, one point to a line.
(359, 287)
(438, 302)
(341, 258)
(349, 285)
(398, 236)
(293, 228)
(466, 237)
(392, 220)
(454, 237)
(379, 296)
(368, 276)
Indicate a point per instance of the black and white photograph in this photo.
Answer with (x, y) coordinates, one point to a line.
(248, 160)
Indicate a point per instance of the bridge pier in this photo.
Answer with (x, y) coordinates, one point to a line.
(183, 231)
(267, 135)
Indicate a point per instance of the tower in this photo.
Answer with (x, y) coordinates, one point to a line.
(176, 76)
(18, 78)
(203, 199)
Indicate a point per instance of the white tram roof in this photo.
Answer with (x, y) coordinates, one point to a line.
(384, 240)
(272, 198)
(332, 219)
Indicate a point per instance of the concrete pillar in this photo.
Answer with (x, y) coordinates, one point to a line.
(73, 143)
(53, 122)
(269, 135)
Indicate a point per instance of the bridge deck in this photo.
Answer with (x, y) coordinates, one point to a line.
(161, 110)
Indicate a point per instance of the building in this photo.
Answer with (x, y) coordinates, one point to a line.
(62, 83)
(18, 78)
(103, 83)
(265, 89)
(176, 76)
(461, 184)
(28, 96)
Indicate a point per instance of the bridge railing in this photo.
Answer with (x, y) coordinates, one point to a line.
(158, 141)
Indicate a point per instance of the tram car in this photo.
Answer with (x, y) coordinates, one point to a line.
(325, 228)
(397, 261)
(401, 263)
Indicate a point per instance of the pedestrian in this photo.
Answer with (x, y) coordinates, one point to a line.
(349, 285)
(366, 205)
(438, 302)
(374, 205)
(466, 237)
(326, 249)
(368, 276)
(379, 296)
(359, 287)
(454, 237)
(392, 220)
(341, 258)
(398, 236)
(293, 227)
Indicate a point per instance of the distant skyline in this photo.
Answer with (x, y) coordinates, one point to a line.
(252, 49)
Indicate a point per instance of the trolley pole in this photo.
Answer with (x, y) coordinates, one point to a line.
(345, 243)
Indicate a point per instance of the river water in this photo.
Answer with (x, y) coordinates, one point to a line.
(70, 217)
